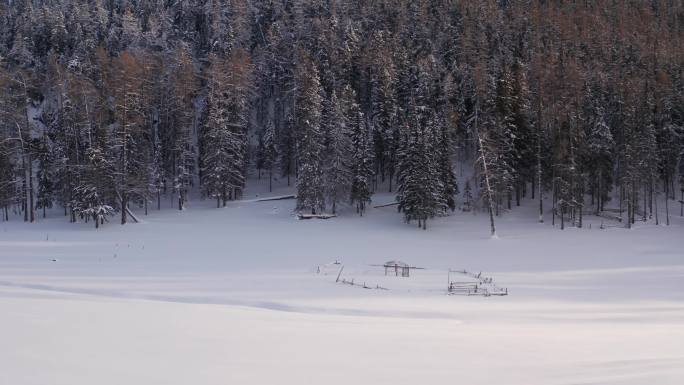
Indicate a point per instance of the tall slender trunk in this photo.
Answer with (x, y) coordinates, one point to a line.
(629, 208)
(622, 199)
(634, 200)
(486, 175)
(32, 214)
(517, 195)
(554, 200)
(539, 152)
(655, 203)
(24, 186)
(667, 197)
(124, 205)
(599, 193)
(580, 217)
(645, 203)
(650, 198)
(562, 212)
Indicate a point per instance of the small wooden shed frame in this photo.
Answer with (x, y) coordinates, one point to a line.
(398, 267)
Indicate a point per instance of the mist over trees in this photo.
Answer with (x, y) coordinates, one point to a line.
(106, 105)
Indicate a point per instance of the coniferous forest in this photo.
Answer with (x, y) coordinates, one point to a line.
(111, 104)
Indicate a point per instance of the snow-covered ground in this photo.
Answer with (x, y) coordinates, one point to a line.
(232, 296)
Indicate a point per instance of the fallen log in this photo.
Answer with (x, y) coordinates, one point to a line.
(315, 216)
(278, 198)
(386, 205)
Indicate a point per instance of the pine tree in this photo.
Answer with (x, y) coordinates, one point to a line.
(444, 164)
(270, 151)
(225, 136)
(419, 187)
(310, 195)
(180, 112)
(338, 148)
(124, 84)
(287, 148)
(524, 146)
(46, 175)
(95, 187)
(7, 180)
(599, 153)
(501, 137)
(362, 156)
(467, 198)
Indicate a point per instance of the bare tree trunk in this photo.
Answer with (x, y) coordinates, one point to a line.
(580, 217)
(622, 199)
(634, 200)
(554, 200)
(562, 212)
(629, 209)
(24, 186)
(486, 175)
(655, 202)
(124, 207)
(650, 198)
(667, 197)
(645, 203)
(32, 215)
(517, 194)
(539, 152)
(599, 193)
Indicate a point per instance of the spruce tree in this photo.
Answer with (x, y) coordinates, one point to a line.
(270, 151)
(46, 175)
(362, 159)
(225, 136)
(338, 149)
(309, 104)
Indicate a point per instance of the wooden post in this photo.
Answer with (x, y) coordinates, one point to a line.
(339, 273)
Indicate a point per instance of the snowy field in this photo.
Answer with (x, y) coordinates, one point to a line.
(232, 296)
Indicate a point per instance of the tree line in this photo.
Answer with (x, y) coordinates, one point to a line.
(106, 104)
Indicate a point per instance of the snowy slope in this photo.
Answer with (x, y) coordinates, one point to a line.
(217, 296)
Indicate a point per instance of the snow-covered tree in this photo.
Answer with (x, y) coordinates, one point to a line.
(269, 151)
(180, 113)
(338, 149)
(46, 175)
(225, 136)
(362, 155)
(419, 186)
(309, 105)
